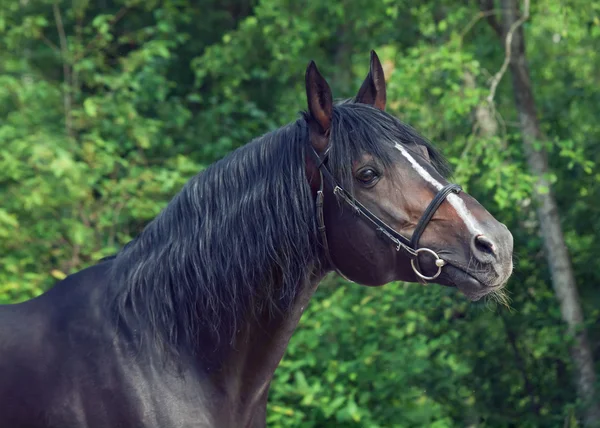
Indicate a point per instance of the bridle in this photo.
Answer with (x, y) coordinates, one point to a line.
(401, 242)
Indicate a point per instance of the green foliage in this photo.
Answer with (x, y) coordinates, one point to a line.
(106, 111)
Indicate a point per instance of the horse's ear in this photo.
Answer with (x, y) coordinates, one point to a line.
(372, 91)
(320, 100)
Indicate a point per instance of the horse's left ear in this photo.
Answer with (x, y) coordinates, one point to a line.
(372, 91)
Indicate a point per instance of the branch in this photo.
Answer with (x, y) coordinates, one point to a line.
(488, 6)
(112, 236)
(120, 14)
(49, 43)
(64, 52)
(78, 42)
(520, 364)
(508, 52)
(64, 49)
(483, 14)
(484, 125)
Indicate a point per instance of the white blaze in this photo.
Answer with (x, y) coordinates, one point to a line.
(457, 203)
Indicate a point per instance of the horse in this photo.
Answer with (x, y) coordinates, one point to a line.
(187, 323)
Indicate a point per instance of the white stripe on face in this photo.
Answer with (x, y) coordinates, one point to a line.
(457, 203)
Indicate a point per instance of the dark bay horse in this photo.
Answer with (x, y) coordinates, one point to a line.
(185, 326)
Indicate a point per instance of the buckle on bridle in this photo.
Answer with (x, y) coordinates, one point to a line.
(439, 262)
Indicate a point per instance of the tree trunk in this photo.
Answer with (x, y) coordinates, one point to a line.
(557, 254)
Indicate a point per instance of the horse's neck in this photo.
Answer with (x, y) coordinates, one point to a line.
(249, 365)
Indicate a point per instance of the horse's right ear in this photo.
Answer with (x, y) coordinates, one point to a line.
(320, 100)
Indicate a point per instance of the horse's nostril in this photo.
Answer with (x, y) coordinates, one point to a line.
(485, 245)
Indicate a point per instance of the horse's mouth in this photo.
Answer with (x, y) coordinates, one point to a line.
(470, 286)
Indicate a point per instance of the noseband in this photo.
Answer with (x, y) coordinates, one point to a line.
(400, 242)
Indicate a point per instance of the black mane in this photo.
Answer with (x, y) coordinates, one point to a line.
(241, 235)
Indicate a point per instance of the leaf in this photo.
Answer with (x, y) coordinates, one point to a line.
(90, 107)
(58, 274)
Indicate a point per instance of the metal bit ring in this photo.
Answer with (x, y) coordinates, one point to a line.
(439, 262)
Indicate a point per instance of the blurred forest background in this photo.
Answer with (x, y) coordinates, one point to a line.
(107, 107)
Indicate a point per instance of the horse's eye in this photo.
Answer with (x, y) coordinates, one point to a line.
(367, 175)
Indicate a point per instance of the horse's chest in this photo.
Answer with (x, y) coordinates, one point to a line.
(131, 402)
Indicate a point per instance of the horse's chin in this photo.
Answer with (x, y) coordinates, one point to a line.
(467, 284)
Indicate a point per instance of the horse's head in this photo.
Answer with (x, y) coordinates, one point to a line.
(388, 213)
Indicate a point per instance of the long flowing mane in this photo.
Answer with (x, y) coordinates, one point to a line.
(241, 235)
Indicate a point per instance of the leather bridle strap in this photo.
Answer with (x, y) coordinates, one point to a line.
(438, 200)
(430, 211)
(400, 241)
(321, 226)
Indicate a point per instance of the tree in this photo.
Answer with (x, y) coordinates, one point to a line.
(557, 254)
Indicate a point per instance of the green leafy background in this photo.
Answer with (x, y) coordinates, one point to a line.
(108, 107)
